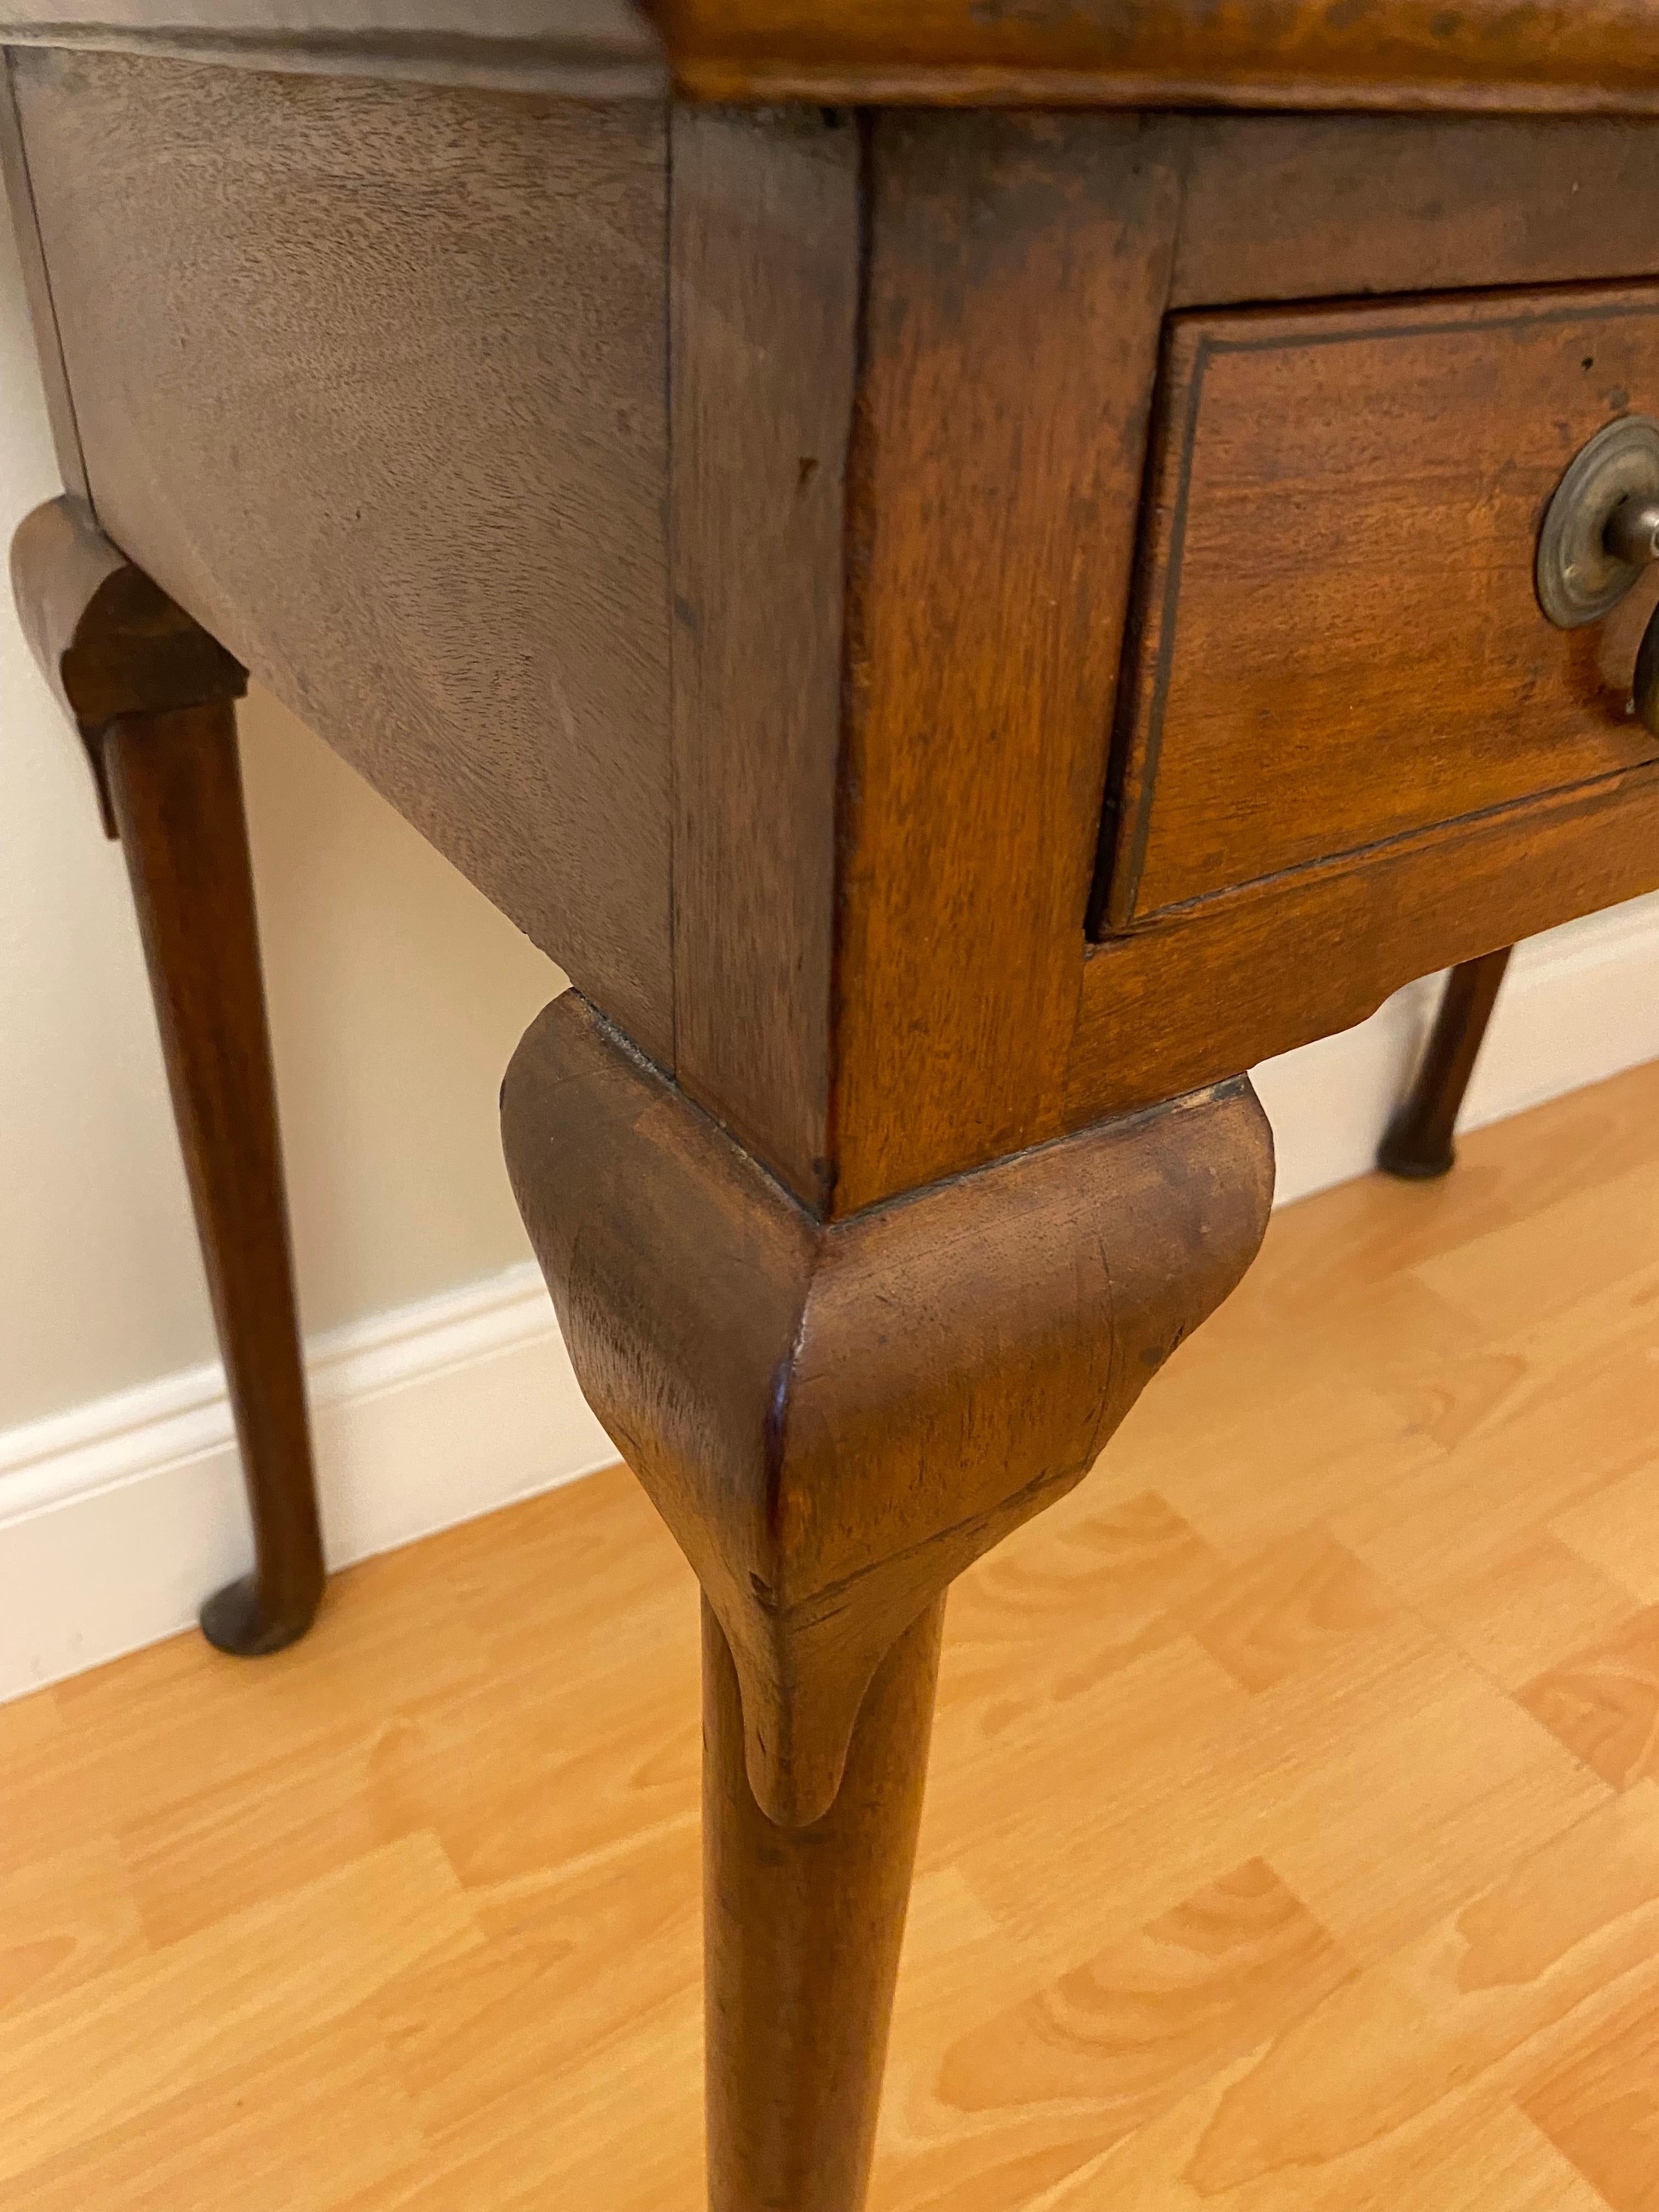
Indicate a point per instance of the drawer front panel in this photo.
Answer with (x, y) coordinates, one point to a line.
(1338, 641)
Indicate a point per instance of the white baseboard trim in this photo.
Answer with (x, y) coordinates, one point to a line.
(118, 1517)
(1577, 1005)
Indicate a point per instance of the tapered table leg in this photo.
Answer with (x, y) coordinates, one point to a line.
(802, 1929)
(153, 695)
(1419, 1143)
(174, 786)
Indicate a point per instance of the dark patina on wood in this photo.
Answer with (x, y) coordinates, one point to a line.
(153, 696)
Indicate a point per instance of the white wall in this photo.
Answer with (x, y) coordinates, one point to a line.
(397, 995)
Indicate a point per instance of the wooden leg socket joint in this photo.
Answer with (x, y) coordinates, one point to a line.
(108, 641)
(835, 1419)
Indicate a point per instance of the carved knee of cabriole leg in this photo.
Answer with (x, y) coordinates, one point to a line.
(108, 641)
(835, 1419)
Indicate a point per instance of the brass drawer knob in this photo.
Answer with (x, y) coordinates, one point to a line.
(1601, 532)
(1632, 535)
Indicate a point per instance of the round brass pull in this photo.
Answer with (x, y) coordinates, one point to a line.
(1599, 533)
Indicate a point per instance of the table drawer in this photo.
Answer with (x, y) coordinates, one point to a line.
(1337, 640)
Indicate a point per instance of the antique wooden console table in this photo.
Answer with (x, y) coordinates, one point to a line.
(970, 570)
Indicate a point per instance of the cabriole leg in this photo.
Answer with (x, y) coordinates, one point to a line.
(1419, 1141)
(153, 696)
(836, 1418)
(175, 786)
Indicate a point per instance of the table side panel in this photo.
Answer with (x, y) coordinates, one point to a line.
(372, 380)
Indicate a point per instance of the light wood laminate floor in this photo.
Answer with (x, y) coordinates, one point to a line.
(1293, 1839)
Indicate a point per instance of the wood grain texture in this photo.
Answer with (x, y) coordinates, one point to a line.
(507, 482)
(1600, 2109)
(1156, 2014)
(1604, 1702)
(1384, 468)
(1012, 261)
(458, 568)
(1368, 1935)
(1590, 54)
(765, 277)
(371, 380)
(1306, 206)
(1176, 1006)
(581, 49)
(802, 1929)
(1573, 54)
(835, 1421)
(1284, 1608)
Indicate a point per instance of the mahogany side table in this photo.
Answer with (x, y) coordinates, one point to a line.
(970, 570)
